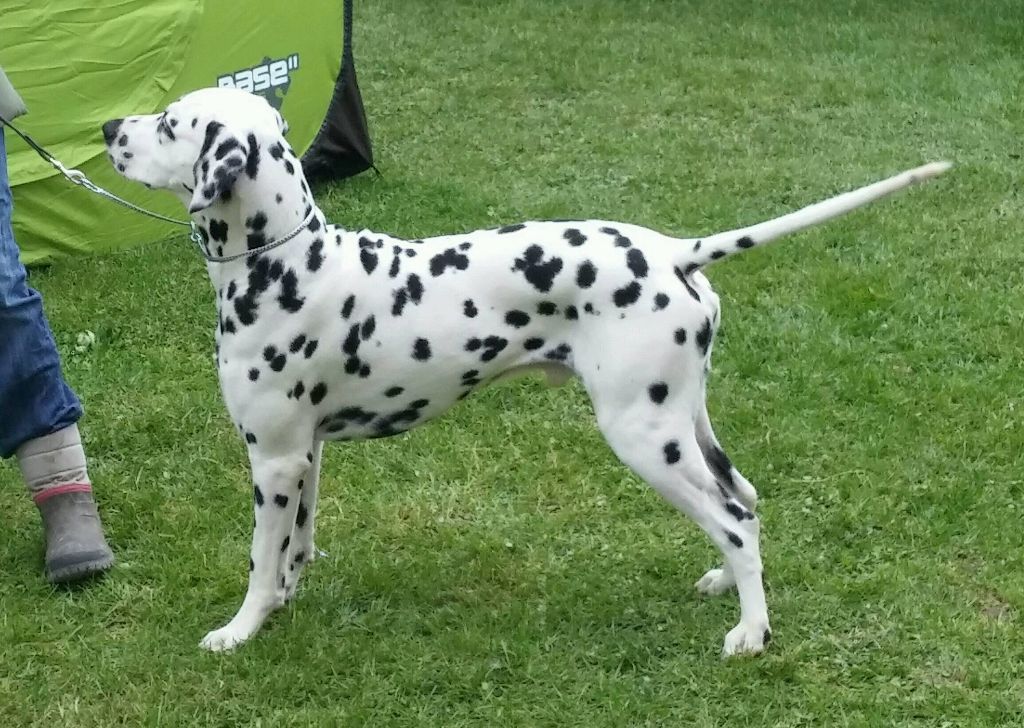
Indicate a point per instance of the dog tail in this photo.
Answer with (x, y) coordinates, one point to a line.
(722, 245)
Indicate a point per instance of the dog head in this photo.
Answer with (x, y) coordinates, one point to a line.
(198, 147)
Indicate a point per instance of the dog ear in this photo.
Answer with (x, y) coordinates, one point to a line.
(220, 161)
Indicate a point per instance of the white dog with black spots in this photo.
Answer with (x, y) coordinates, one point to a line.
(341, 334)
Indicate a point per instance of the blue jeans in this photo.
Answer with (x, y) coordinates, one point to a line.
(34, 398)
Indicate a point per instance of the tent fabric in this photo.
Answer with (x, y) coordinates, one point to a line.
(78, 64)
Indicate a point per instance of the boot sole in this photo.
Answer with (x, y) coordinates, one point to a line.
(79, 567)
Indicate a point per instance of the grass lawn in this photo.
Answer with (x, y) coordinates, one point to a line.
(499, 567)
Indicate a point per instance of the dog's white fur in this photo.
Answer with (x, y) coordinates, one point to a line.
(340, 334)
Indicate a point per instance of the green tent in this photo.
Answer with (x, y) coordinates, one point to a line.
(77, 64)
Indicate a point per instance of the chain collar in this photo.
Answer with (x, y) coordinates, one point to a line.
(197, 237)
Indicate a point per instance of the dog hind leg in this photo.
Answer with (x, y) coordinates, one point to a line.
(661, 447)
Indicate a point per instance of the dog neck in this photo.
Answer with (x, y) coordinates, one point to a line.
(258, 210)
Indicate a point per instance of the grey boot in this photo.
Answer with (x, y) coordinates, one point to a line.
(75, 545)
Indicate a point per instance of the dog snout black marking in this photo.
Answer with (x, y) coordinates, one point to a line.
(110, 130)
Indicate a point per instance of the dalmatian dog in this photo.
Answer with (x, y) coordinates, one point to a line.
(325, 333)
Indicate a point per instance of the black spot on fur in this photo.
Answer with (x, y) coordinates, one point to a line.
(369, 260)
(703, 337)
(627, 295)
(369, 326)
(289, 299)
(310, 348)
(671, 450)
(250, 438)
(469, 308)
(415, 287)
(518, 319)
(297, 343)
(717, 254)
(317, 393)
(660, 301)
(575, 237)
(396, 265)
(721, 466)
(571, 313)
(278, 362)
(737, 511)
(532, 344)
(421, 350)
(219, 231)
(298, 389)
(681, 275)
(257, 495)
(637, 263)
(450, 258)
(314, 256)
(559, 353)
(351, 344)
(394, 391)
(245, 309)
(280, 500)
(734, 539)
(547, 308)
(473, 344)
(743, 243)
(680, 336)
(511, 228)
(539, 273)
(300, 520)
(285, 543)
(225, 147)
(493, 345)
(254, 374)
(658, 392)
(586, 274)
(346, 308)
(252, 161)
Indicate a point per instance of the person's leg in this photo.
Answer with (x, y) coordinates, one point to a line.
(38, 416)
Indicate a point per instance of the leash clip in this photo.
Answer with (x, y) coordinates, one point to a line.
(74, 176)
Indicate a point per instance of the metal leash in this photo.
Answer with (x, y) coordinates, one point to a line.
(76, 176)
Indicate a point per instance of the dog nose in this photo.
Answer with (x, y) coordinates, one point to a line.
(110, 130)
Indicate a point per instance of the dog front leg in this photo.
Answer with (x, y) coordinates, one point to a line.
(276, 499)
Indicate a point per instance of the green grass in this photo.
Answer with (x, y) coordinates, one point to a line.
(499, 567)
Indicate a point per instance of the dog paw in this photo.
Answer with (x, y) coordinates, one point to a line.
(746, 639)
(223, 639)
(715, 582)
